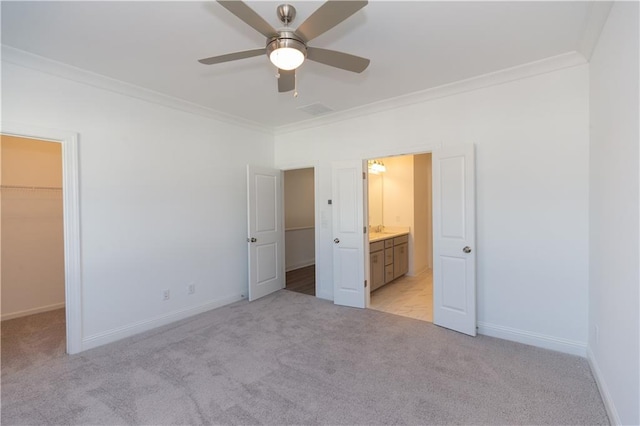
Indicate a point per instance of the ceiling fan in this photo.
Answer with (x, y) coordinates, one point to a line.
(287, 48)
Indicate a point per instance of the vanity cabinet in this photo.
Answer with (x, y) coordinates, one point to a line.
(400, 256)
(389, 259)
(377, 264)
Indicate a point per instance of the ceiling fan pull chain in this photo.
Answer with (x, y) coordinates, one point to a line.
(295, 86)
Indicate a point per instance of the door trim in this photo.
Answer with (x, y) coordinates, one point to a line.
(71, 221)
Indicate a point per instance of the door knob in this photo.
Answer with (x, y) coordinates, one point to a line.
(467, 249)
(336, 240)
(251, 240)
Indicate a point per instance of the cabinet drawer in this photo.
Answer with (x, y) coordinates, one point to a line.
(388, 243)
(388, 256)
(400, 240)
(377, 246)
(388, 273)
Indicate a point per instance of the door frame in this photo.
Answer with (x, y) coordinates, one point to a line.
(71, 221)
(316, 211)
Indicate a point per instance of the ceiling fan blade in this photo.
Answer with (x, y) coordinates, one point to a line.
(233, 56)
(249, 16)
(328, 16)
(287, 80)
(336, 59)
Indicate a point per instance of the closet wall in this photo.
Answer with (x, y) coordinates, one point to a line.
(32, 229)
(299, 218)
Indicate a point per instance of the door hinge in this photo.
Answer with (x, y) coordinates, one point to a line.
(364, 229)
(365, 283)
(364, 175)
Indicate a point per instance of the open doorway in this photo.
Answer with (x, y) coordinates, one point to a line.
(71, 219)
(401, 236)
(299, 219)
(32, 240)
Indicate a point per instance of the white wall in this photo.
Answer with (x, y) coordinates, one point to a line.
(398, 191)
(375, 199)
(614, 329)
(422, 222)
(32, 242)
(299, 218)
(398, 198)
(532, 193)
(162, 199)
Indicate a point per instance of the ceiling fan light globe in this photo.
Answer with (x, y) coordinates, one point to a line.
(286, 58)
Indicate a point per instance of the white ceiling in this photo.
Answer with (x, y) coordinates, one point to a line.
(413, 46)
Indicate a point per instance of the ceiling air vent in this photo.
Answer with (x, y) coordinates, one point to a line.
(315, 109)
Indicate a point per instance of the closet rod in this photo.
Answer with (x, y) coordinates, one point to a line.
(30, 187)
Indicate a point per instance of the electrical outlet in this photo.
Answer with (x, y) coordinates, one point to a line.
(191, 289)
(166, 294)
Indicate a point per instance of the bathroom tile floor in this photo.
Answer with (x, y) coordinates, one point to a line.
(406, 296)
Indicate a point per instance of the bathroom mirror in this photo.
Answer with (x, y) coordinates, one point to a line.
(375, 199)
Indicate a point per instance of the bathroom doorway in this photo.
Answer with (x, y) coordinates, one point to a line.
(400, 219)
(299, 224)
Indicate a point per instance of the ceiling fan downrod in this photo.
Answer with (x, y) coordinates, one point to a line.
(286, 14)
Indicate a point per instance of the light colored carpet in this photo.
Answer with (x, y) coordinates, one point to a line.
(290, 359)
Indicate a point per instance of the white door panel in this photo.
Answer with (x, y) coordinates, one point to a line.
(265, 231)
(454, 286)
(348, 232)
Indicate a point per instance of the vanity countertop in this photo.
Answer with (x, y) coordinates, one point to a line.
(387, 233)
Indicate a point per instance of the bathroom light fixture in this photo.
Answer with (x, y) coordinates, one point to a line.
(376, 167)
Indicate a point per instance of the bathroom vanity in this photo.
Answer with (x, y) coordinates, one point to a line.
(389, 257)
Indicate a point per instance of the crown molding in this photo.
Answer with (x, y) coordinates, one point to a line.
(59, 69)
(39, 63)
(554, 63)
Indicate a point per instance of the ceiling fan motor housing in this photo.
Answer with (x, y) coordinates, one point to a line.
(286, 39)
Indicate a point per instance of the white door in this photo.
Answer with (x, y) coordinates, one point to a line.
(348, 234)
(265, 231)
(454, 261)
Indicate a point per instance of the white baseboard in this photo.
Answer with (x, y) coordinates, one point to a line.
(614, 418)
(302, 264)
(535, 339)
(32, 311)
(119, 333)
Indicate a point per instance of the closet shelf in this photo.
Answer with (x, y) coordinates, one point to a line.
(32, 188)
